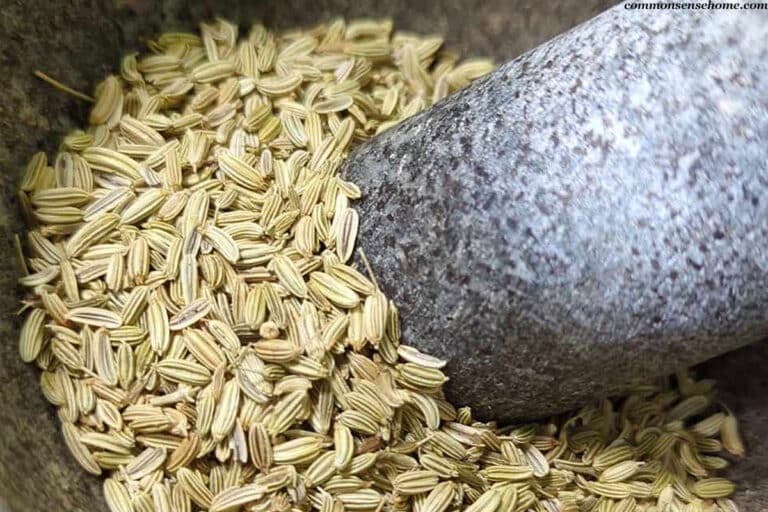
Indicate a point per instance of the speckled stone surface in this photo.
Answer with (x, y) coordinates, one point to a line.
(592, 212)
(36, 472)
(78, 42)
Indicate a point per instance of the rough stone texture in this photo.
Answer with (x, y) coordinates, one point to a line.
(78, 42)
(592, 212)
(743, 384)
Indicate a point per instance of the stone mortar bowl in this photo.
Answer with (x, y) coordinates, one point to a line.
(79, 41)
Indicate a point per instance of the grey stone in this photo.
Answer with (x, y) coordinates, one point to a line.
(78, 41)
(743, 387)
(592, 212)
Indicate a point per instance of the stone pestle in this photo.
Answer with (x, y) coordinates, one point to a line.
(592, 213)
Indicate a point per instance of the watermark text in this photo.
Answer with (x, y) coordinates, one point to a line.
(709, 5)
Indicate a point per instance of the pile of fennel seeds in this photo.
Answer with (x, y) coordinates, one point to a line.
(199, 323)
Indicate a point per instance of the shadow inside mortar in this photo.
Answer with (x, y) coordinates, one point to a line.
(79, 42)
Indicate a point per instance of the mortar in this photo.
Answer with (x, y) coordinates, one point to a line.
(79, 42)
